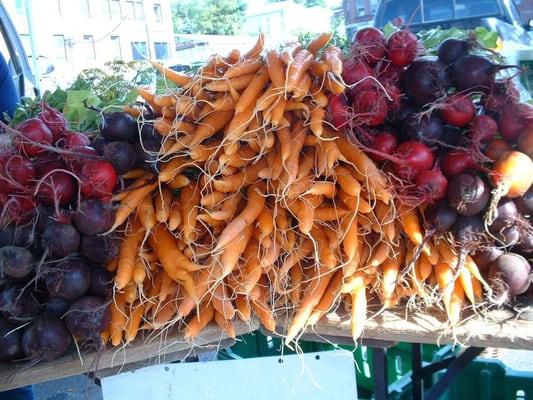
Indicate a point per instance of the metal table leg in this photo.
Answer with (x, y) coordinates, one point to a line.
(416, 376)
(379, 356)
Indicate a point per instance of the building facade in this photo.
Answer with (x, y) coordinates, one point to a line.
(75, 34)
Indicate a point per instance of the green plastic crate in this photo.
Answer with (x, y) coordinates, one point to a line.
(489, 379)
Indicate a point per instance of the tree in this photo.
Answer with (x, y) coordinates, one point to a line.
(214, 17)
(307, 3)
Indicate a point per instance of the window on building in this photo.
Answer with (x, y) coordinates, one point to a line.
(115, 9)
(89, 50)
(84, 8)
(56, 9)
(158, 13)
(115, 47)
(139, 51)
(139, 10)
(161, 50)
(129, 10)
(60, 48)
(19, 6)
(25, 38)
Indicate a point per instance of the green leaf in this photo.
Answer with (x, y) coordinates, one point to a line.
(389, 29)
(75, 111)
(486, 38)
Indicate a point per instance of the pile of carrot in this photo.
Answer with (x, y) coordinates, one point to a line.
(260, 208)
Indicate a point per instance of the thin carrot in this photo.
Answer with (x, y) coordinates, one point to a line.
(130, 292)
(249, 94)
(224, 85)
(302, 61)
(127, 255)
(257, 48)
(130, 203)
(232, 252)
(173, 76)
(254, 206)
(347, 181)
(411, 227)
(225, 324)
(134, 322)
(275, 69)
(265, 315)
(319, 280)
(317, 119)
(162, 205)
(465, 277)
(221, 301)
(318, 42)
(210, 125)
(243, 308)
(194, 326)
(189, 200)
(333, 57)
(174, 216)
(139, 272)
(328, 299)
(456, 304)
(172, 259)
(146, 213)
(244, 68)
(330, 213)
(118, 319)
(444, 274)
(358, 312)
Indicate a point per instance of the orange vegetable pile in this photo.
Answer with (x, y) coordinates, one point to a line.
(262, 209)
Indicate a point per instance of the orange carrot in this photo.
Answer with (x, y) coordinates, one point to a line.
(210, 125)
(302, 61)
(118, 319)
(134, 322)
(243, 308)
(244, 68)
(173, 76)
(328, 299)
(190, 199)
(254, 206)
(129, 249)
(206, 313)
(318, 42)
(146, 214)
(249, 94)
(162, 205)
(275, 69)
(225, 325)
(319, 280)
(130, 203)
(317, 119)
(444, 274)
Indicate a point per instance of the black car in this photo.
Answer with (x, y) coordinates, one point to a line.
(495, 15)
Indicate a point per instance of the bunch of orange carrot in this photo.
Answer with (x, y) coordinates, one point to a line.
(261, 208)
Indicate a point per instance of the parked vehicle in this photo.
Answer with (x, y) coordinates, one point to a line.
(13, 51)
(501, 16)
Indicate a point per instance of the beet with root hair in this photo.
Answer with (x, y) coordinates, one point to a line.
(16, 262)
(68, 280)
(10, 341)
(46, 339)
(87, 317)
(468, 194)
(514, 271)
(99, 248)
(101, 282)
(425, 80)
(93, 217)
(18, 305)
(61, 239)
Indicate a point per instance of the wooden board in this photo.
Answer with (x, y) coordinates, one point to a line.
(153, 351)
(498, 328)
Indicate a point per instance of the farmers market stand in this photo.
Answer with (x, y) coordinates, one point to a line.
(496, 329)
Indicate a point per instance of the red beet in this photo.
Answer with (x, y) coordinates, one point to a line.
(54, 120)
(403, 47)
(98, 178)
(33, 135)
(369, 44)
(458, 110)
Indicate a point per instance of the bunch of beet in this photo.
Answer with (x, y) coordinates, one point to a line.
(55, 211)
(453, 134)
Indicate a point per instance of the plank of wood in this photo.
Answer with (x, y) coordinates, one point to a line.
(497, 328)
(154, 351)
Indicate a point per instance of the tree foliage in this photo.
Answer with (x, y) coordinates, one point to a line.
(307, 3)
(214, 17)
